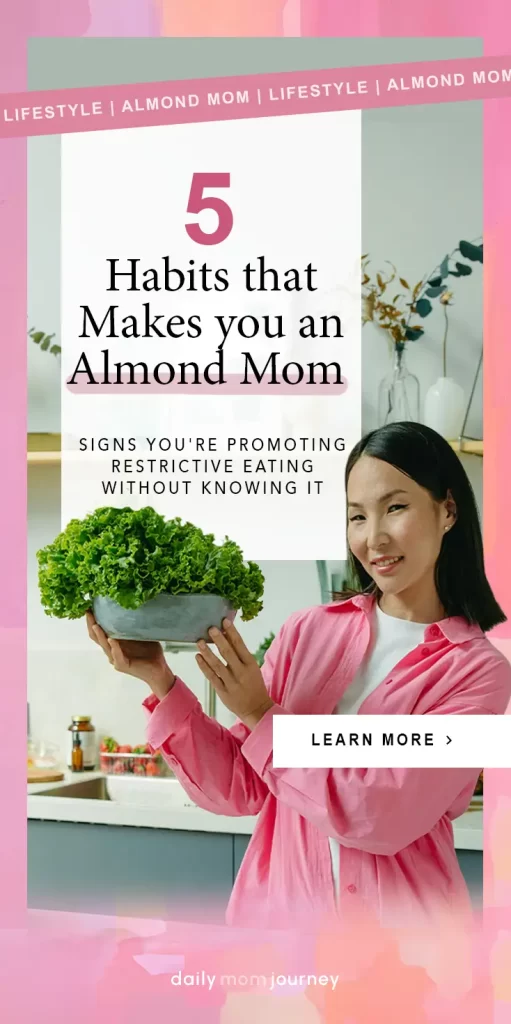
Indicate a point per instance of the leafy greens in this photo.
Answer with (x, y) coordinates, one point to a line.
(133, 555)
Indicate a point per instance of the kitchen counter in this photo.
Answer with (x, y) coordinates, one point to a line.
(156, 803)
(162, 804)
(43, 787)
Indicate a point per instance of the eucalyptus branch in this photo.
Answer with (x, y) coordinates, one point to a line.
(392, 315)
(426, 280)
(44, 341)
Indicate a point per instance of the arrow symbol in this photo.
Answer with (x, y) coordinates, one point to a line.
(449, 740)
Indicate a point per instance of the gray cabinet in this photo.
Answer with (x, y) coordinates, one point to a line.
(240, 847)
(130, 872)
(146, 872)
(471, 864)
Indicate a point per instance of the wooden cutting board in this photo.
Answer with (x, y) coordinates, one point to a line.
(44, 775)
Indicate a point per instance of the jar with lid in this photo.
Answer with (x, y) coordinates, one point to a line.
(82, 730)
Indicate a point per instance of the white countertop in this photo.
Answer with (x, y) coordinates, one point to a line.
(43, 787)
(468, 831)
(162, 803)
(140, 803)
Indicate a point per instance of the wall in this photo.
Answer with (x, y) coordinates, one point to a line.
(69, 675)
(43, 273)
(422, 193)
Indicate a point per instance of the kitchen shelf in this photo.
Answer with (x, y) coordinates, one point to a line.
(467, 447)
(43, 449)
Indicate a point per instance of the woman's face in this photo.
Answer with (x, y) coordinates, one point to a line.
(395, 527)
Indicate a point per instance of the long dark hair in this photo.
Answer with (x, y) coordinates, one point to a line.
(424, 456)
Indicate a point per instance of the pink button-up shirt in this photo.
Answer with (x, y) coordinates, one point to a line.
(393, 825)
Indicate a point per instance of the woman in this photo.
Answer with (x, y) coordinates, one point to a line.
(411, 641)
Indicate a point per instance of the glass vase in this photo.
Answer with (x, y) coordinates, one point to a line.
(399, 393)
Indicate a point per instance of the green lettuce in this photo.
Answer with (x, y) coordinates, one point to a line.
(133, 555)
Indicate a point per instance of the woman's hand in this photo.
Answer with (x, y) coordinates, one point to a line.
(239, 683)
(139, 658)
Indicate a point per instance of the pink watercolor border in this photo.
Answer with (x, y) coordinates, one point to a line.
(318, 17)
(12, 514)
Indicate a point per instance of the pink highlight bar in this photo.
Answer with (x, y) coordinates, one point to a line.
(59, 111)
(233, 386)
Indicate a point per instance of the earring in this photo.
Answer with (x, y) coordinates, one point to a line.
(446, 528)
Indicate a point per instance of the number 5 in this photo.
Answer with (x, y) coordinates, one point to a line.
(198, 201)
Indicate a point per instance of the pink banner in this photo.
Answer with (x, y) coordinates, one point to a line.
(232, 384)
(59, 111)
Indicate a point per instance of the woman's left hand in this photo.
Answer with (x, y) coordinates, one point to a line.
(239, 681)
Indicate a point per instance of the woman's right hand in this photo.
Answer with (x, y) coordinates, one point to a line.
(143, 659)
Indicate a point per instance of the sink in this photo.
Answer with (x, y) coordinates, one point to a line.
(159, 793)
(88, 789)
(133, 791)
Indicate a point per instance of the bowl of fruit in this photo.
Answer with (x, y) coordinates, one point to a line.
(122, 759)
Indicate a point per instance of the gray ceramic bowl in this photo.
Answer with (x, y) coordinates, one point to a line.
(168, 618)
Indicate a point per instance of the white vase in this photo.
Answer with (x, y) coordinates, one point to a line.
(444, 408)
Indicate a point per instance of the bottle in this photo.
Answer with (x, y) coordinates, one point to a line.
(82, 727)
(77, 754)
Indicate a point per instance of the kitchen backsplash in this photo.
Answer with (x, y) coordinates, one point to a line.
(68, 675)
(66, 683)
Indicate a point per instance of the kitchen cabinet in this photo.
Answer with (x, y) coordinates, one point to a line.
(149, 872)
(240, 847)
(132, 872)
(471, 864)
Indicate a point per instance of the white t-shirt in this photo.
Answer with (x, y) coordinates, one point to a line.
(391, 640)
